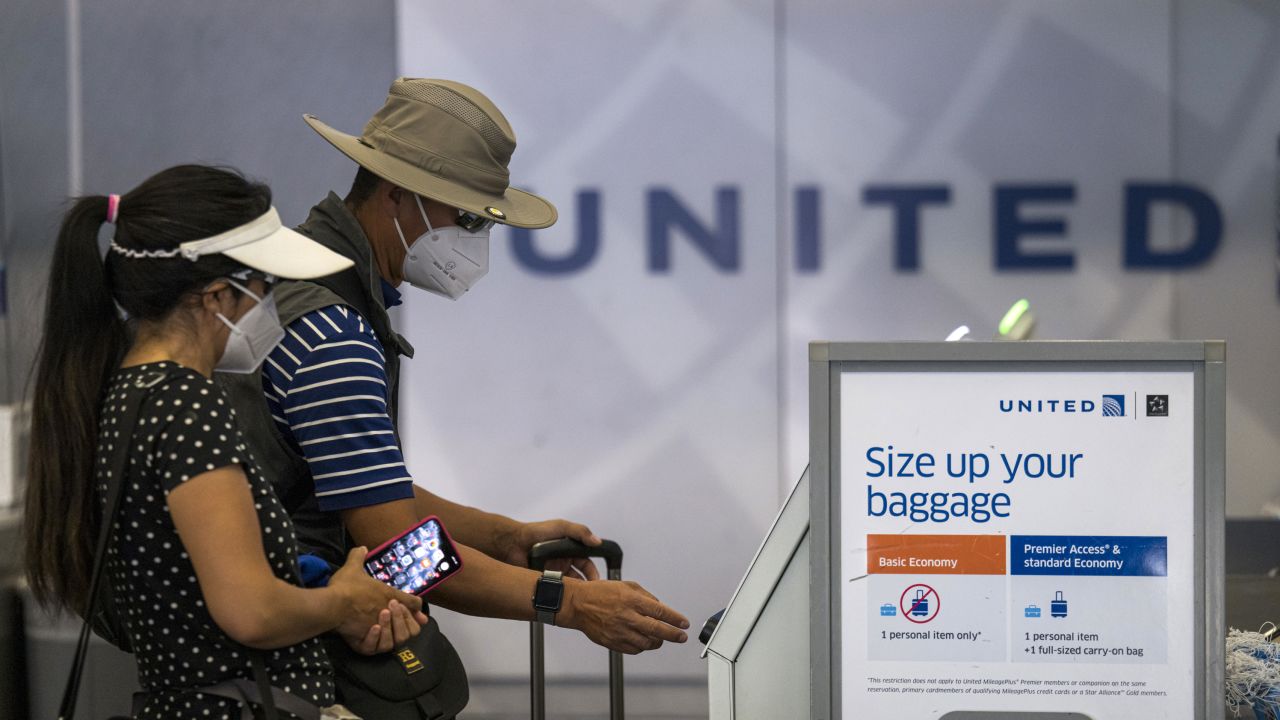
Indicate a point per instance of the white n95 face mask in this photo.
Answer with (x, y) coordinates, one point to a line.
(252, 338)
(447, 261)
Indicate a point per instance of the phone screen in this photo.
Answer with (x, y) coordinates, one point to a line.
(416, 561)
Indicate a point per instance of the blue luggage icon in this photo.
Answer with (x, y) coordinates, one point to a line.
(888, 610)
(920, 606)
(1058, 608)
(1031, 611)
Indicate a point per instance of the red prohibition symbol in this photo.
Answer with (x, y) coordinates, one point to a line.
(920, 603)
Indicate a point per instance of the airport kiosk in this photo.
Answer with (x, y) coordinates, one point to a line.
(1003, 531)
(758, 656)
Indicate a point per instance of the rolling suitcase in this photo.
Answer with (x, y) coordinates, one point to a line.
(539, 554)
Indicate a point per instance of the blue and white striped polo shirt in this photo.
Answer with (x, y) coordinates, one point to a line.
(326, 386)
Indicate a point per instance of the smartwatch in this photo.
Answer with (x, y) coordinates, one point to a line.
(547, 595)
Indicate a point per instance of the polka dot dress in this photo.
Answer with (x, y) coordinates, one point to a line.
(187, 428)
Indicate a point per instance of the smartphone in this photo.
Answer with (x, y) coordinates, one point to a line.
(416, 560)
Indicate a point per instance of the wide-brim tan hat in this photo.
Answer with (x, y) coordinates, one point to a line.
(448, 142)
(265, 244)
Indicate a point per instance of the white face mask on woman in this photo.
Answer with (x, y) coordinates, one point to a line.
(446, 261)
(253, 337)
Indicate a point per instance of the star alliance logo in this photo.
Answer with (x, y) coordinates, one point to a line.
(1112, 406)
(1157, 406)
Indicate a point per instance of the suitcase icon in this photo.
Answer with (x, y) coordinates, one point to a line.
(1058, 608)
(888, 610)
(920, 606)
(1031, 611)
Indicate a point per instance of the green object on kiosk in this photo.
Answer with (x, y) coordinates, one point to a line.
(1012, 317)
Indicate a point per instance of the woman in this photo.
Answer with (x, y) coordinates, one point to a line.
(202, 560)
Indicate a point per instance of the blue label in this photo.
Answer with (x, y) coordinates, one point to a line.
(1114, 555)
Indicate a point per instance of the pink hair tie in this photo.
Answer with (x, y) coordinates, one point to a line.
(113, 208)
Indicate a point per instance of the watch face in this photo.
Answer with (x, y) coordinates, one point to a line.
(547, 594)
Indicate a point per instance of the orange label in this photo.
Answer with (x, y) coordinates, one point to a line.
(936, 554)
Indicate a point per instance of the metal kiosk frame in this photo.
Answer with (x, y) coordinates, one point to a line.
(828, 361)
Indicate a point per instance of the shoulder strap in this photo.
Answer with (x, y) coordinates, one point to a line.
(295, 298)
(115, 485)
(263, 681)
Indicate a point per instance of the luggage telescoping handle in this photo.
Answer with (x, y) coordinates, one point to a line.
(539, 554)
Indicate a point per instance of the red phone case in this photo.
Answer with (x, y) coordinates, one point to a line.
(445, 531)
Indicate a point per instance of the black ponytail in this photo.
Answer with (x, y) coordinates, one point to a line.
(84, 339)
(82, 343)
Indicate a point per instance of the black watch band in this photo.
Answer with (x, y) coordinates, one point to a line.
(547, 596)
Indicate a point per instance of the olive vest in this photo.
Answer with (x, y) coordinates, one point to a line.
(278, 457)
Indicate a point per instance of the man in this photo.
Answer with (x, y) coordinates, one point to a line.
(432, 180)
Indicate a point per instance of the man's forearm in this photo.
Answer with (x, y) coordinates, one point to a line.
(490, 533)
(487, 588)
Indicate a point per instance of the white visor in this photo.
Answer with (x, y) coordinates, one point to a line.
(267, 245)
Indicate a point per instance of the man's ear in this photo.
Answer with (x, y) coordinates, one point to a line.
(389, 196)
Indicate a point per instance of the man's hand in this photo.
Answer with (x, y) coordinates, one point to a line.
(529, 534)
(621, 616)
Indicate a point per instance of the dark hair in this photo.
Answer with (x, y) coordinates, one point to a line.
(362, 187)
(84, 339)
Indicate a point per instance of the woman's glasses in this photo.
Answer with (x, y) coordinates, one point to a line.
(248, 274)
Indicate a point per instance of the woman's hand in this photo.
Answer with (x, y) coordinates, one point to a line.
(396, 625)
(378, 617)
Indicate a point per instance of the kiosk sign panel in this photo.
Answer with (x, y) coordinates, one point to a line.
(1017, 541)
